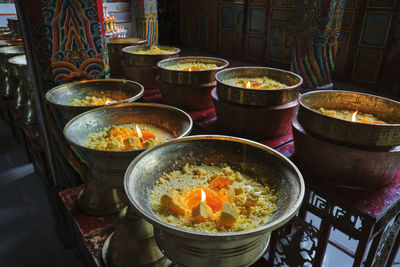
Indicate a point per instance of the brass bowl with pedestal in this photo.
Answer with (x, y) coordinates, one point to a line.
(23, 95)
(110, 175)
(256, 113)
(6, 53)
(353, 133)
(193, 248)
(343, 165)
(258, 97)
(255, 122)
(143, 67)
(132, 243)
(188, 89)
(115, 54)
(61, 96)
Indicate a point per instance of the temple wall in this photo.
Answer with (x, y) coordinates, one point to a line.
(367, 51)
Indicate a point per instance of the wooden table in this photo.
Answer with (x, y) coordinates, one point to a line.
(371, 217)
(359, 214)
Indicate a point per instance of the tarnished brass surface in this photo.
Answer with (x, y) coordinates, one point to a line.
(59, 97)
(19, 71)
(6, 53)
(258, 97)
(22, 93)
(190, 77)
(145, 75)
(11, 42)
(5, 81)
(192, 248)
(356, 133)
(147, 60)
(132, 243)
(115, 54)
(187, 97)
(115, 45)
(255, 122)
(107, 168)
(345, 166)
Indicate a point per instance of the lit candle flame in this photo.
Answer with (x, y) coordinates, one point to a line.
(248, 85)
(203, 196)
(139, 133)
(353, 117)
(190, 69)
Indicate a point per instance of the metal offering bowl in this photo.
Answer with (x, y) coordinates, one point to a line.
(115, 54)
(116, 44)
(190, 77)
(8, 52)
(107, 168)
(59, 97)
(192, 248)
(258, 97)
(8, 35)
(19, 70)
(345, 166)
(355, 133)
(23, 97)
(245, 121)
(11, 42)
(131, 58)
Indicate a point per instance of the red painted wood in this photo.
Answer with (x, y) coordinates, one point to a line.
(87, 224)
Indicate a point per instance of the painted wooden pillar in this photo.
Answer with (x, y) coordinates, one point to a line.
(145, 20)
(317, 32)
(64, 42)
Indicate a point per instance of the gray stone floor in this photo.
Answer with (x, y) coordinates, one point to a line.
(27, 234)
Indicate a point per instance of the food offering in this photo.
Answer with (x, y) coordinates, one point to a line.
(94, 101)
(212, 199)
(192, 66)
(256, 83)
(110, 137)
(127, 137)
(154, 50)
(72, 99)
(354, 116)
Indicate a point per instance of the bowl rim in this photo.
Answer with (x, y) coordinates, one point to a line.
(101, 109)
(259, 90)
(176, 50)
(14, 61)
(267, 227)
(16, 52)
(302, 105)
(122, 41)
(225, 64)
(62, 86)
